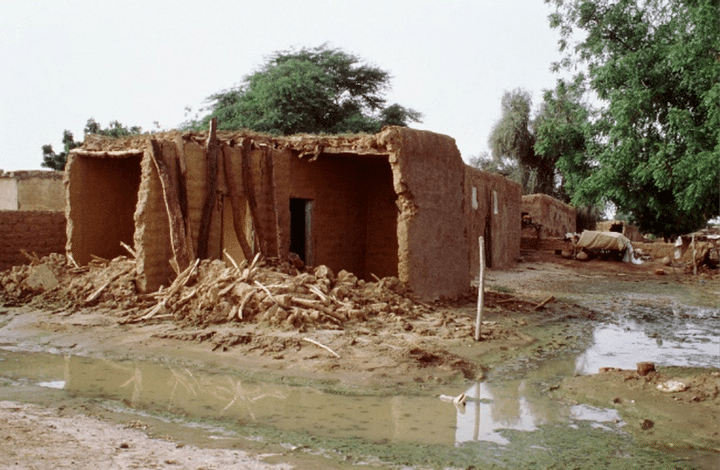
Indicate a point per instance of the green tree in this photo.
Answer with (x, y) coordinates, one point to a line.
(513, 137)
(562, 132)
(57, 161)
(654, 65)
(318, 90)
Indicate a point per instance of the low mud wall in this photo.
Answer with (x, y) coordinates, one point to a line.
(556, 217)
(492, 210)
(40, 232)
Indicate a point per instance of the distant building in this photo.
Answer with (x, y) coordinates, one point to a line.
(554, 217)
(32, 217)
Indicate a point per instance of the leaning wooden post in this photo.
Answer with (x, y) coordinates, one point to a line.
(481, 290)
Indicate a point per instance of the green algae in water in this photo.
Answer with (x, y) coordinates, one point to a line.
(582, 445)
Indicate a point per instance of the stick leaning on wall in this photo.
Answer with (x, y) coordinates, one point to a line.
(481, 290)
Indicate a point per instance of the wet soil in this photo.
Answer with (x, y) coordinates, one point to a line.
(424, 353)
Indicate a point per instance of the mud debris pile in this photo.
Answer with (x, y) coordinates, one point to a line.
(209, 292)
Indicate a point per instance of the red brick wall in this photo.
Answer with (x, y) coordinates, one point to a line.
(41, 232)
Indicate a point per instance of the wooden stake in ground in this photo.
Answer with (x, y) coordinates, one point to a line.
(481, 290)
(695, 261)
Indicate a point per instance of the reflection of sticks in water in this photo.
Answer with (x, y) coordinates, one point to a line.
(181, 380)
(136, 380)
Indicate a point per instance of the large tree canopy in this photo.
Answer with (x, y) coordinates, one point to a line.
(514, 143)
(654, 150)
(318, 90)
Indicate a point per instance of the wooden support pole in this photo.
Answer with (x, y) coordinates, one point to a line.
(213, 148)
(249, 191)
(481, 290)
(179, 239)
(236, 202)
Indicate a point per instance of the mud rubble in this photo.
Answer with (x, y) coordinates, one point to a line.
(271, 309)
(210, 293)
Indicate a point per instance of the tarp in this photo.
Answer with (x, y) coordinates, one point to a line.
(593, 240)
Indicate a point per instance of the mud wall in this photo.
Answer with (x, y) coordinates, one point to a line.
(8, 194)
(428, 178)
(492, 210)
(557, 218)
(630, 231)
(353, 213)
(32, 191)
(40, 232)
(101, 199)
(152, 231)
(41, 191)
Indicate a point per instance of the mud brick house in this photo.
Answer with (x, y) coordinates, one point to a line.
(554, 217)
(398, 203)
(32, 216)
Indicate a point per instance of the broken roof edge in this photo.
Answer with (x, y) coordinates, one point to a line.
(388, 140)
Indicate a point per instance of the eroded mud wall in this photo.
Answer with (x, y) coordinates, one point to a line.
(353, 215)
(101, 199)
(39, 232)
(152, 231)
(492, 210)
(428, 177)
(556, 218)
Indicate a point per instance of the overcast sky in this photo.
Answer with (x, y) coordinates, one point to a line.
(64, 61)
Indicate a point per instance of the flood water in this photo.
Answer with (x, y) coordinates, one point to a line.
(495, 411)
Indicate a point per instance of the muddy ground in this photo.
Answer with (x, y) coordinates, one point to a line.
(384, 343)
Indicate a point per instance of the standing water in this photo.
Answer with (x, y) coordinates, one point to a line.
(503, 423)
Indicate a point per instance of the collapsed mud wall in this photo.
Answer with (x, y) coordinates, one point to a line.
(39, 232)
(556, 217)
(389, 204)
(492, 210)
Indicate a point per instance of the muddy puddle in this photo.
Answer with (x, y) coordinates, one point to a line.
(503, 423)
(654, 330)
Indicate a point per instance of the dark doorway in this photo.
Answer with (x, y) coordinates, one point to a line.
(301, 228)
